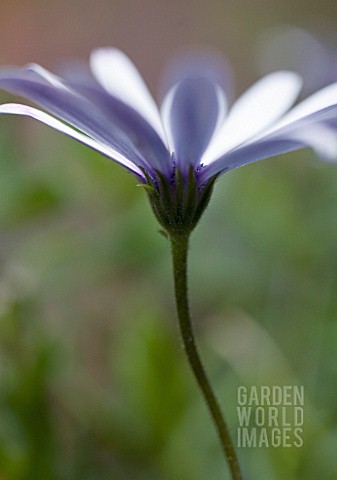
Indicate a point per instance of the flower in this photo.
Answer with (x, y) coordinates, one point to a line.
(176, 152)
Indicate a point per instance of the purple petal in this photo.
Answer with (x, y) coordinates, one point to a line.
(311, 132)
(191, 113)
(17, 109)
(71, 108)
(248, 154)
(129, 121)
(291, 135)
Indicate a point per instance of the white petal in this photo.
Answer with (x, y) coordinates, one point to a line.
(17, 109)
(165, 111)
(319, 100)
(46, 75)
(223, 109)
(119, 76)
(257, 109)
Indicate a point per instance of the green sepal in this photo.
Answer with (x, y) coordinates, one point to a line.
(147, 187)
(164, 234)
(204, 198)
(179, 194)
(190, 202)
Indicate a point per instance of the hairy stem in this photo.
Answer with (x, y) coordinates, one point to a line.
(179, 245)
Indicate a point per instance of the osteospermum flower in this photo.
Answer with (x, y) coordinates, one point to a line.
(177, 151)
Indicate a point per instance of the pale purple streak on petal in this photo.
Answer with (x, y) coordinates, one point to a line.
(191, 119)
(17, 109)
(119, 76)
(257, 109)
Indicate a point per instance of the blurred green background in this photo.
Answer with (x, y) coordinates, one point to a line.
(93, 380)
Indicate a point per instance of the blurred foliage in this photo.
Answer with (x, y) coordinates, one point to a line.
(94, 384)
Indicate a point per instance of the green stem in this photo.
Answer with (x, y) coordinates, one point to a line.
(179, 244)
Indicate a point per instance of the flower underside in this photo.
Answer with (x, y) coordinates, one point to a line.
(178, 203)
(178, 150)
